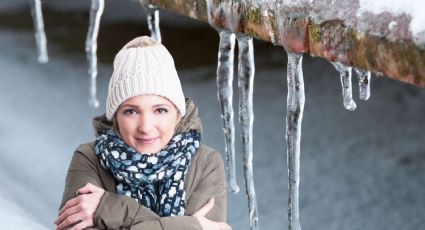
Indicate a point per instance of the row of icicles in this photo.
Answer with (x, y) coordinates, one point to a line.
(246, 69)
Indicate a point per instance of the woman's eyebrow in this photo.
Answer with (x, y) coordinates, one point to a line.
(161, 105)
(129, 105)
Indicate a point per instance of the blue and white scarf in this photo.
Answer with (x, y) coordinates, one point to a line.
(154, 180)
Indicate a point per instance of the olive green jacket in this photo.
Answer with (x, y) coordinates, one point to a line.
(205, 179)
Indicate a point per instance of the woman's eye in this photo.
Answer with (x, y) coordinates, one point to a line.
(129, 111)
(161, 110)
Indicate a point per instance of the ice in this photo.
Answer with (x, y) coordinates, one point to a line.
(225, 97)
(246, 71)
(345, 74)
(413, 8)
(40, 35)
(97, 7)
(267, 22)
(209, 13)
(231, 12)
(364, 83)
(294, 116)
(152, 13)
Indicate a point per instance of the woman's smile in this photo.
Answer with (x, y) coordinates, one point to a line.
(146, 141)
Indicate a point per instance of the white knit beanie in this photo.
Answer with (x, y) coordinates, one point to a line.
(144, 66)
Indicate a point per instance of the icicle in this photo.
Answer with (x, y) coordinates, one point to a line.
(210, 12)
(246, 70)
(40, 35)
(364, 83)
(96, 11)
(295, 109)
(153, 21)
(345, 74)
(225, 96)
(266, 14)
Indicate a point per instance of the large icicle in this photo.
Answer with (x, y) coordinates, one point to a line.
(40, 35)
(363, 77)
(96, 11)
(225, 97)
(294, 116)
(152, 13)
(246, 71)
(347, 94)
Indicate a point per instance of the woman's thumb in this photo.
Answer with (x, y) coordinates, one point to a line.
(206, 208)
(88, 188)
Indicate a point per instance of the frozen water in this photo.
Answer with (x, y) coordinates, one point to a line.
(363, 77)
(345, 73)
(225, 96)
(210, 12)
(413, 8)
(267, 20)
(40, 35)
(152, 13)
(246, 71)
(294, 116)
(231, 12)
(97, 7)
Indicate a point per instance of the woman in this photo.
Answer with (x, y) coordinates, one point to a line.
(146, 169)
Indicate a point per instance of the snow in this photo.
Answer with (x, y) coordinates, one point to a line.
(414, 8)
(14, 217)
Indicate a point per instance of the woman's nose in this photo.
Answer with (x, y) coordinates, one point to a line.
(145, 123)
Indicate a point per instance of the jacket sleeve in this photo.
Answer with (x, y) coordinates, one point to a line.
(116, 211)
(212, 183)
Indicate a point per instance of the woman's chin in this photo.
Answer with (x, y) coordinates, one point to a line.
(148, 149)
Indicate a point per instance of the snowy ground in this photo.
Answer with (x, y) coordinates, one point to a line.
(359, 170)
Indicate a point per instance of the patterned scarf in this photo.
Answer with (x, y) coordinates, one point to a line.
(154, 180)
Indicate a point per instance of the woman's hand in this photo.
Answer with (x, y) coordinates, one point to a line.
(206, 223)
(80, 210)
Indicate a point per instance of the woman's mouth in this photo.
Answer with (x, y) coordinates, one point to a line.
(146, 141)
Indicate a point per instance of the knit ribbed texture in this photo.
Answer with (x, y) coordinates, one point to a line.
(144, 70)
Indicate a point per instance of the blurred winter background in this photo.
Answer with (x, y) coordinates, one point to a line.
(359, 170)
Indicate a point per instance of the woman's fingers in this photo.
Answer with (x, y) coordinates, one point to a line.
(79, 211)
(67, 212)
(70, 220)
(88, 188)
(205, 209)
(70, 203)
(224, 226)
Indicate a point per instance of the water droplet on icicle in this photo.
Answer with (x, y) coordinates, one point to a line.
(40, 35)
(294, 116)
(345, 73)
(152, 13)
(96, 11)
(225, 97)
(246, 71)
(363, 77)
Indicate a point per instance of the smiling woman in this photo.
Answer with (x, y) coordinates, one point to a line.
(147, 168)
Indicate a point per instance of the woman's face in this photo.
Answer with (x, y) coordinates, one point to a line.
(147, 122)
